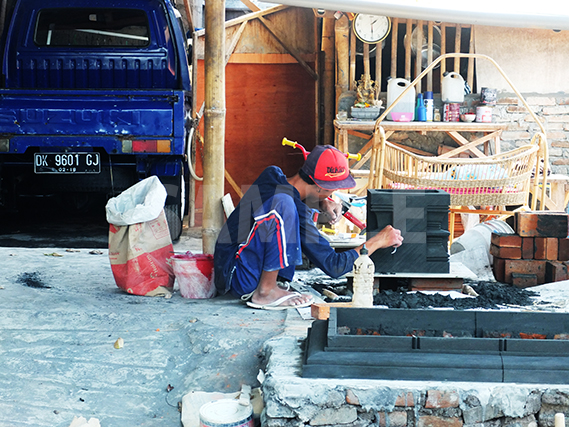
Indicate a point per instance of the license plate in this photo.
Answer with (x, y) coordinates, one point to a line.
(67, 163)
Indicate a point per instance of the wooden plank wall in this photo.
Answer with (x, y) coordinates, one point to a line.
(270, 94)
(403, 62)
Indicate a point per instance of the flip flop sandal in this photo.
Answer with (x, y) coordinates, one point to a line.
(277, 304)
(247, 297)
(283, 285)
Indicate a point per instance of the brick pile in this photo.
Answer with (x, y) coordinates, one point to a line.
(537, 253)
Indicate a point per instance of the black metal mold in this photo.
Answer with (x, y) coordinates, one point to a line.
(412, 347)
(422, 217)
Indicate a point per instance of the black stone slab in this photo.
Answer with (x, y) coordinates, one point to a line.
(422, 217)
(412, 346)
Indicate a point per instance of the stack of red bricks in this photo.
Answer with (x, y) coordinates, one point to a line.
(537, 253)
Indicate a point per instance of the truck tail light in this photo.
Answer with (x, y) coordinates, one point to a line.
(151, 146)
(4, 145)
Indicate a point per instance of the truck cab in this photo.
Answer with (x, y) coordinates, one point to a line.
(95, 96)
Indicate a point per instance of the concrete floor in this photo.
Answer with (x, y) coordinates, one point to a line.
(56, 343)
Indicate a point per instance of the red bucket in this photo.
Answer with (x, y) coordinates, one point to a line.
(194, 274)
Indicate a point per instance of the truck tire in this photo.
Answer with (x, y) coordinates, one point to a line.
(172, 213)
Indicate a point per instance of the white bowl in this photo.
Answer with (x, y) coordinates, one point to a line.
(468, 117)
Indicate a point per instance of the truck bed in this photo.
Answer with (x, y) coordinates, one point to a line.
(122, 114)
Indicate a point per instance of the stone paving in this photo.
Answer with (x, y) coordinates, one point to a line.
(57, 343)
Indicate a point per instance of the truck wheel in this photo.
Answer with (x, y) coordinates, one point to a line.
(172, 213)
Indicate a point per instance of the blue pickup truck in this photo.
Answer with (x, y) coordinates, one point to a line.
(94, 96)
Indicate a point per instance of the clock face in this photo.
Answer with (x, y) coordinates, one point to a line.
(371, 28)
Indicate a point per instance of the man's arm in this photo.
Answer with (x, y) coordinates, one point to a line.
(387, 237)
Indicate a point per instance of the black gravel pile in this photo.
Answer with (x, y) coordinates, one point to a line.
(490, 296)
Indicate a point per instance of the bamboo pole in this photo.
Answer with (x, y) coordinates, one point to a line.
(328, 79)
(342, 42)
(191, 154)
(189, 17)
(470, 74)
(408, 32)
(394, 38)
(378, 55)
(457, 48)
(443, 49)
(430, 54)
(353, 77)
(214, 124)
(419, 54)
(366, 60)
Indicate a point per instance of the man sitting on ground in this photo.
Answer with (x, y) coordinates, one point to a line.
(264, 237)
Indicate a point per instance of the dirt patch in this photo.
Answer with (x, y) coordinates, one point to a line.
(32, 280)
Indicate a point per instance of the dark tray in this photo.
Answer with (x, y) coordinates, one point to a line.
(477, 346)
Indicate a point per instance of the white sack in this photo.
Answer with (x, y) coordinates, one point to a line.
(140, 203)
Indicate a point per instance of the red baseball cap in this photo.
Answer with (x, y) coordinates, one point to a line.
(328, 167)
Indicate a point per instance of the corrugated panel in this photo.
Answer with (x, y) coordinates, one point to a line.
(93, 72)
(90, 113)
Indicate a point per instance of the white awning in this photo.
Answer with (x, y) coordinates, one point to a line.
(545, 14)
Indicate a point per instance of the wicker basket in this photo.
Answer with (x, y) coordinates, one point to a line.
(501, 180)
(498, 180)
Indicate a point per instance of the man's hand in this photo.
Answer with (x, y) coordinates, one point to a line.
(387, 237)
(330, 211)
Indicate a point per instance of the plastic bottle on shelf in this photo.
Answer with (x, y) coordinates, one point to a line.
(452, 88)
(404, 110)
(364, 270)
(437, 115)
(429, 105)
(420, 110)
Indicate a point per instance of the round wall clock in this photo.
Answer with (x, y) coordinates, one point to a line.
(371, 28)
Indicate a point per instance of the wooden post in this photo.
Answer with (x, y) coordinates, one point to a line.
(251, 5)
(353, 77)
(214, 124)
(419, 55)
(342, 42)
(366, 60)
(188, 8)
(378, 55)
(328, 79)
(430, 54)
(191, 155)
(408, 32)
(394, 38)
(443, 49)
(470, 74)
(457, 48)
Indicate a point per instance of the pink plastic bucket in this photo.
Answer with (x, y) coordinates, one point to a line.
(194, 274)
(402, 117)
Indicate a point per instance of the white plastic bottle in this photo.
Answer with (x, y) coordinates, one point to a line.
(364, 269)
(404, 110)
(452, 88)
